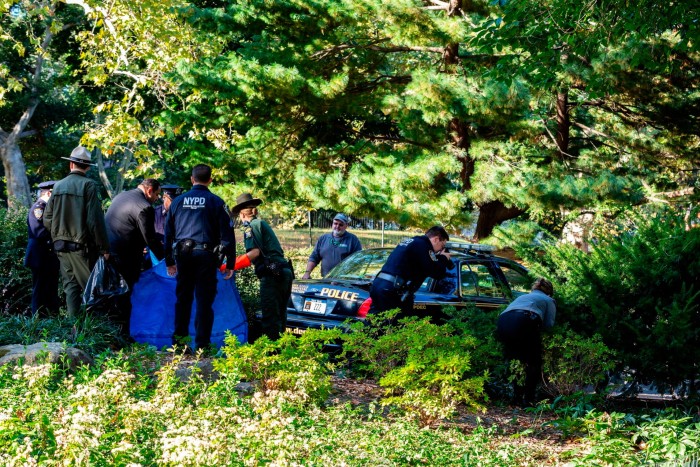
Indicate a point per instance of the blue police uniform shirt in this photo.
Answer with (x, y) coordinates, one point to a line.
(413, 260)
(202, 216)
(39, 245)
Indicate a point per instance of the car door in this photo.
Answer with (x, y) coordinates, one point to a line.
(481, 283)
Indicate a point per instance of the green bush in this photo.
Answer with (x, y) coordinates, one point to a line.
(291, 369)
(425, 368)
(639, 288)
(15, 279)
(572, 362)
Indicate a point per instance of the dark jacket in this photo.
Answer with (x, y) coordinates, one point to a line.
(201, 216)
(40, 247)
(74, 213)
(160, 222)
(414, 260)
(130, 225)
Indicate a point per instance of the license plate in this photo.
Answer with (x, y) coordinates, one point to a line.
(314, 306)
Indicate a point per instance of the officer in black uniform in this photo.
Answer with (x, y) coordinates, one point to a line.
(197, 223)
(170, 192)
(411, 262)
(41, 258)
(130, 227)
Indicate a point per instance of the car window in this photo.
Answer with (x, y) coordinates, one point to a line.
(363, 265)
(469, 281)
(479, 279)
(488, 285)
(446, 286)
(517, 278)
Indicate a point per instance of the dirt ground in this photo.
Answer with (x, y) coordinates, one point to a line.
(527, 427)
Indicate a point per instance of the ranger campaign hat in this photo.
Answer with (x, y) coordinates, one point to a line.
(80, 155)
(245, 200)
(47, 185)
(342, 218)
(171, 190)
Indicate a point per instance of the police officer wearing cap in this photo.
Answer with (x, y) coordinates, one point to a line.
(41, 258)
(197, 223)
(411, 262)
(333, 247)
(130, 226)
(169, 192)
(263, 250)
(74, 218)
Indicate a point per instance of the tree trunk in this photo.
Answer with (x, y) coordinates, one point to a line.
(490, 215)
(563, 123)
(18, 192)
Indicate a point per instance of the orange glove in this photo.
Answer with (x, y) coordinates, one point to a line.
(242, 262)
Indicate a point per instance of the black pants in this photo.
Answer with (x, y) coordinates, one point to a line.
(196, 279)
(521, 337)
(129, 266)
(385, 296)
(274, 297)
(45, 288)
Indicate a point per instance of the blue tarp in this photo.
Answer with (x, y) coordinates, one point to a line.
(153, 313)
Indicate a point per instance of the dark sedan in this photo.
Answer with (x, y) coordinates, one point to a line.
(480, 278)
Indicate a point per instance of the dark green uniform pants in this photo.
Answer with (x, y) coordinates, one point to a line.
(76, 267)
(274, 295)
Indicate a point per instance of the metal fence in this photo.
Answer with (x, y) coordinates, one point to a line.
(372, 232)
(304, 238)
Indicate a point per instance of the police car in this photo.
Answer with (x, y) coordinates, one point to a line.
(480, 278)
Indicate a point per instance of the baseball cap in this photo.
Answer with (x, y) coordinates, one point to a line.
(342, 218)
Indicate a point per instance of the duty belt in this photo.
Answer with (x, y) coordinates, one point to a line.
(398, 281)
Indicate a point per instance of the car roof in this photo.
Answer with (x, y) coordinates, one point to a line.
(459, 250)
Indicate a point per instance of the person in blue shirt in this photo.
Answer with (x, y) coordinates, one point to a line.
(411, 262)
(520, 331)
(41, 257)
(197, 223)
(333, 247)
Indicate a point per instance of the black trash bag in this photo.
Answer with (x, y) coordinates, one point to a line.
(103, 287)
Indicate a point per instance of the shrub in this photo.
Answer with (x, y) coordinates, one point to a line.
(639, 288)
(572, 362)
(15, 279)
(291, 369)
(425, 368)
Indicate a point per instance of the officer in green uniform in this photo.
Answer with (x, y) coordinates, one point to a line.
(74, 218)
(263, 250)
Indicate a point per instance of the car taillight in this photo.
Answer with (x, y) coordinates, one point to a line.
(364, 308)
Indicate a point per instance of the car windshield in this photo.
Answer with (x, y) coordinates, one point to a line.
(363, 265)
